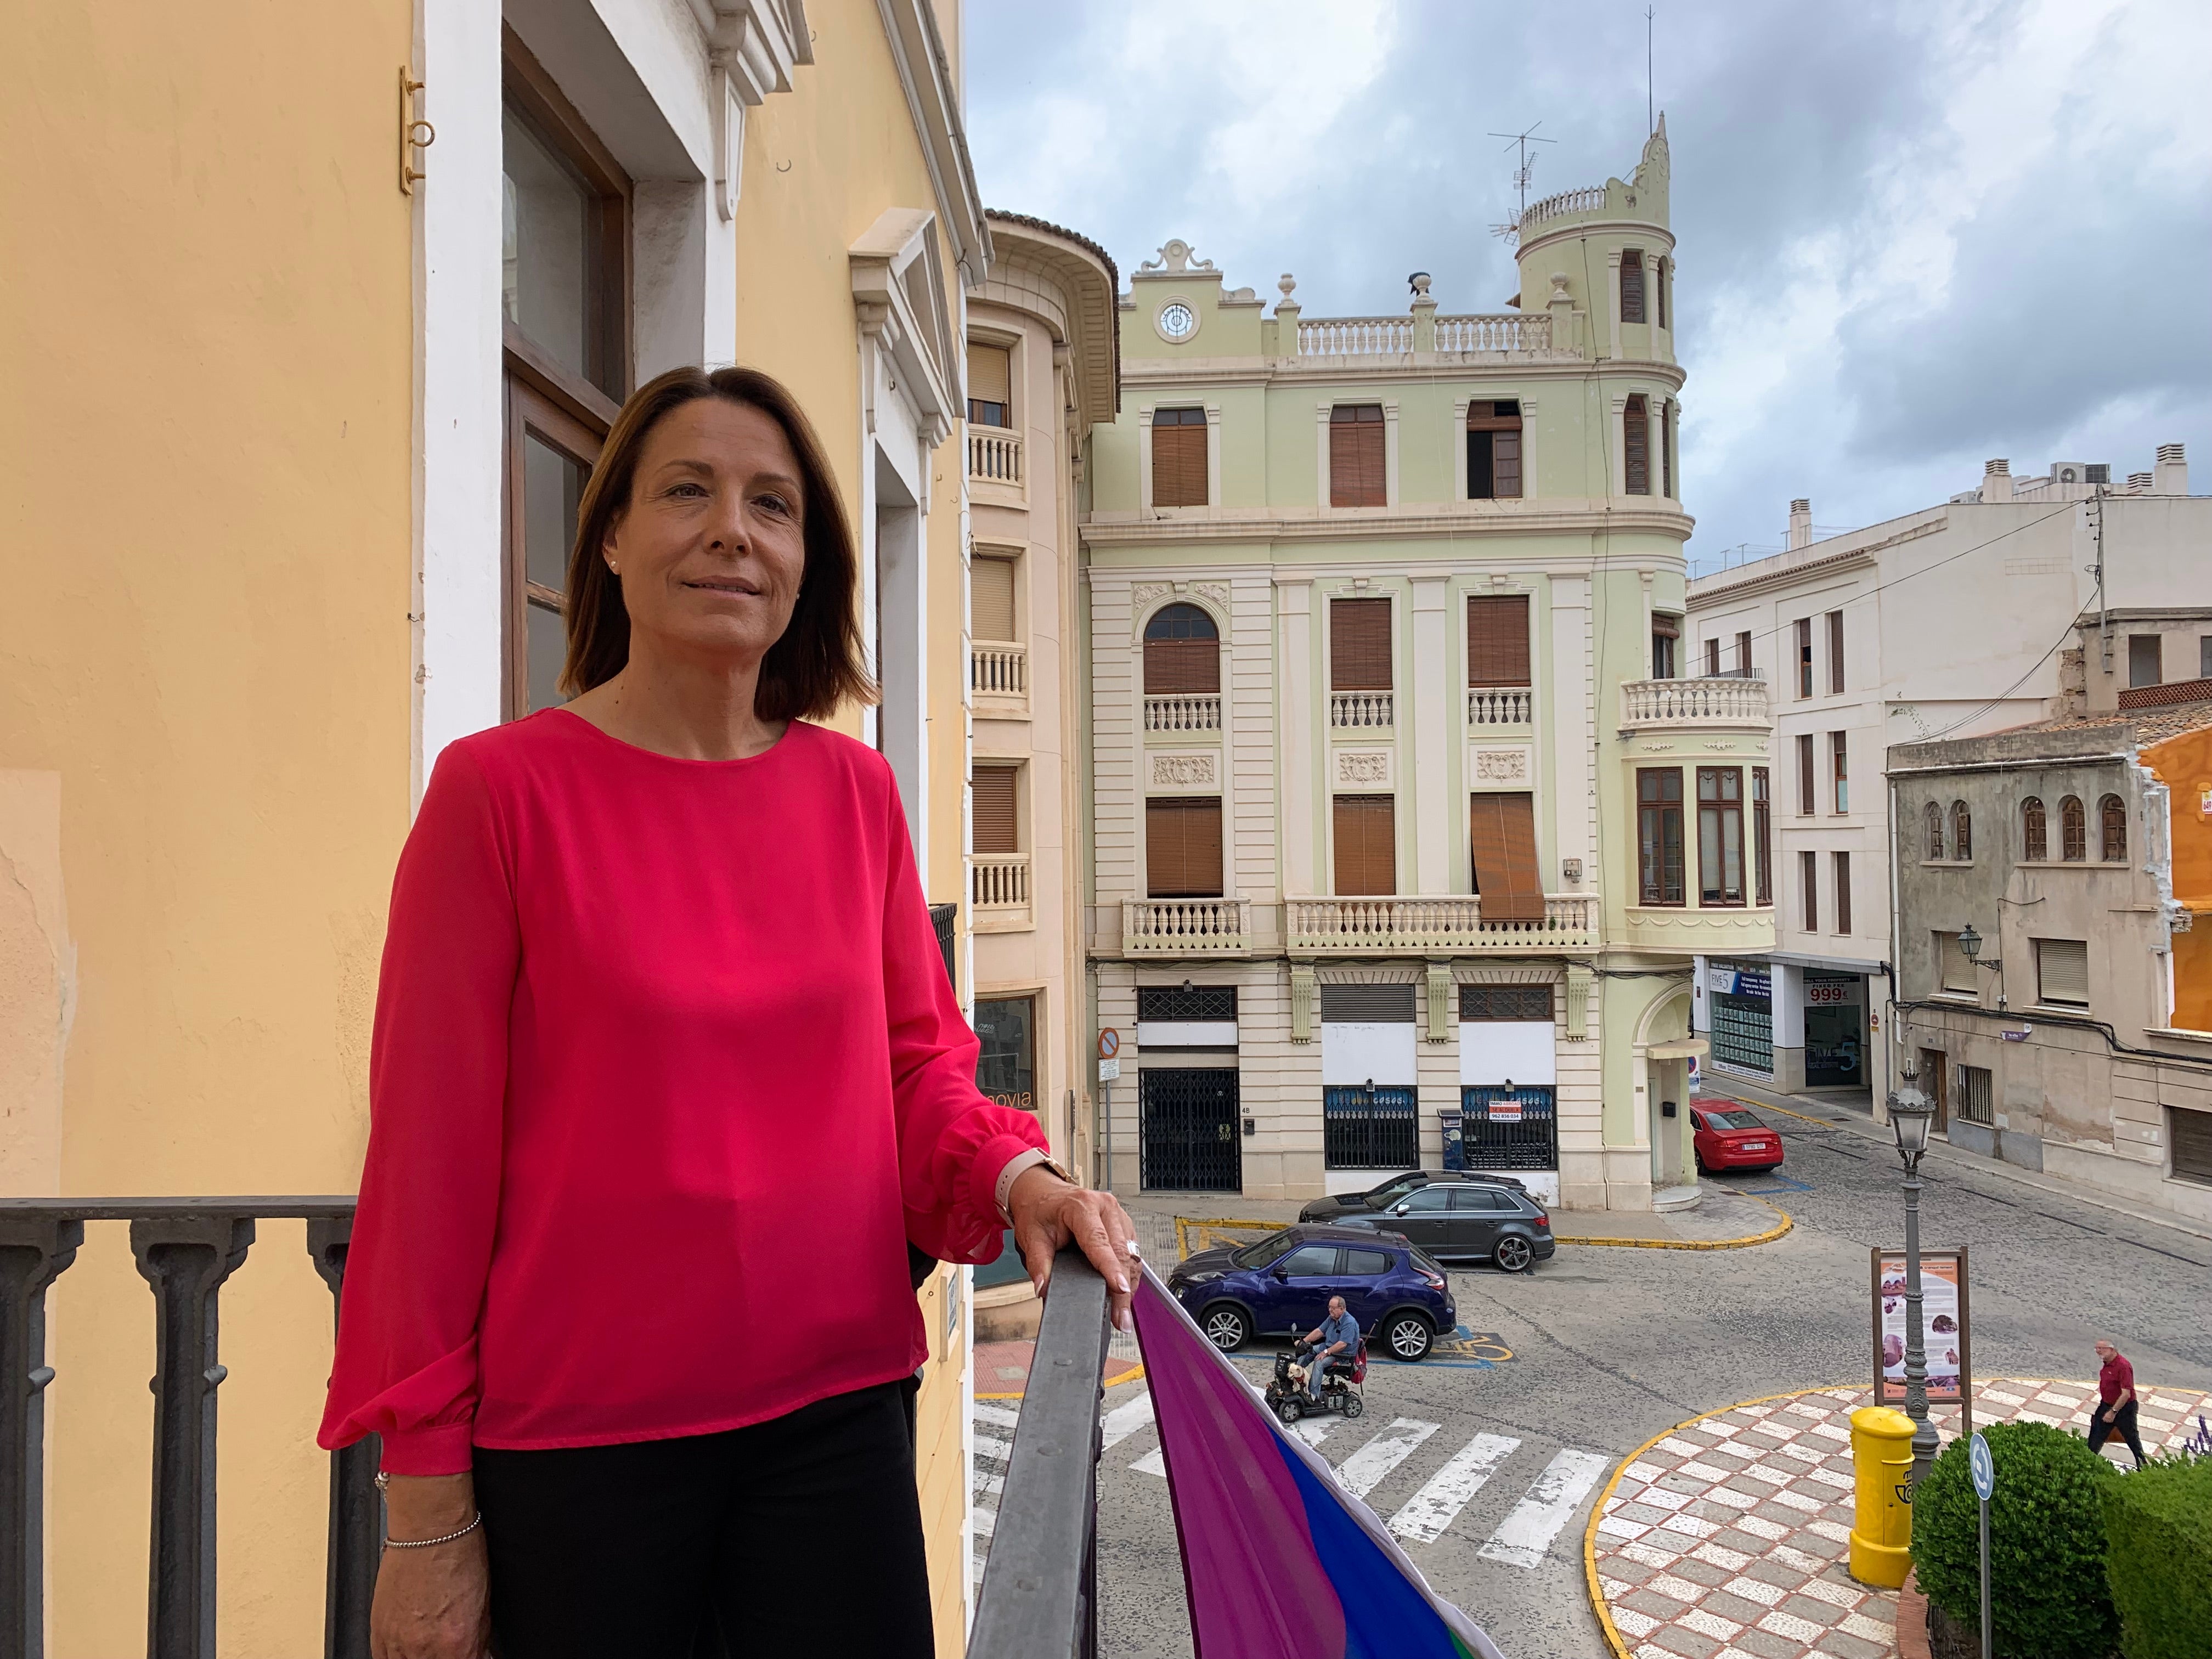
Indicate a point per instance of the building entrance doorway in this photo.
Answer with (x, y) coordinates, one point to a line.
(1187, 1130)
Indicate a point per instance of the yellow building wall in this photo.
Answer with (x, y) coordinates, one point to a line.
(2184, 765)
(205, 714)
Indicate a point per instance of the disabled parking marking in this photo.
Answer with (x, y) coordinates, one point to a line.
(1469, 1350)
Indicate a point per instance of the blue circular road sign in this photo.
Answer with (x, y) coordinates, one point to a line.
(1983, 1471)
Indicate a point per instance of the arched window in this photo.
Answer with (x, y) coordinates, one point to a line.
(2112, 818)
(2073, 830)
(1182, 653)
(1935, 818)
(1962, 832)
(2034, 834)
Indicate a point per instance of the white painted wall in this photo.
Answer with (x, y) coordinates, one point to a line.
(1353, 1055)
(1493, 1050)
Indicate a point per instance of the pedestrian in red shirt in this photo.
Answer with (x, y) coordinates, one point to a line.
(667, 1076)
(2116, 1403)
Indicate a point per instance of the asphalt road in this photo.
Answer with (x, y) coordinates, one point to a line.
(1612, 1346)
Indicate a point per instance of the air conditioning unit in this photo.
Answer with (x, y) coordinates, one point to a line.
(2080, 472)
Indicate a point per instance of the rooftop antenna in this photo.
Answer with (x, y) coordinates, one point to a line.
(1650, 115)
(1521, 173)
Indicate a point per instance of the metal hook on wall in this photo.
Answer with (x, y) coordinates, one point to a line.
(416, 134)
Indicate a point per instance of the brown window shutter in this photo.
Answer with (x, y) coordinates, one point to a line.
(1502, 836)
(1182, 666)
(1366, 844)
(1631, 287)
(1182, 848)
(1356, 474)
(1661, 269)
(1506, 466)
(1359, 645)
(2192, 1138)
(991, 599)
(1179, 458)
(1636, 444)
(988, 374)
(1498, 638)
(1712, 660)
(994, 809)
(1667, 449)
(1804, 773)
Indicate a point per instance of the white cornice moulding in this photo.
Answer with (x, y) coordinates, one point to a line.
(918, 50)
(1428, 519)
(893, 254)
(1496, 378)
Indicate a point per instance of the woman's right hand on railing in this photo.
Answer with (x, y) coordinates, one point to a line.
(432, 1603)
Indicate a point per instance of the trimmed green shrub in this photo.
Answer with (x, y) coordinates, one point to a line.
(2157, 1528)
(2048, 1595)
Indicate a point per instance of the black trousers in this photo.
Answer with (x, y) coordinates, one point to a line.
(2123, 1425)
(799, 1535)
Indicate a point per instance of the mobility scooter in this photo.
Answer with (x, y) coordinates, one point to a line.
(1286, 1395)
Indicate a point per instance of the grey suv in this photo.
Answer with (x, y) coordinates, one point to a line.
(1470, 1220)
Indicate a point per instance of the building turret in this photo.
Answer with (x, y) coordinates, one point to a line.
(1600, 260)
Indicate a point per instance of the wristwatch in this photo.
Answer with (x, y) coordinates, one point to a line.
(1020, 1164)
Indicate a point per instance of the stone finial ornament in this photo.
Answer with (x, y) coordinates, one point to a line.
(1288, 284)
(1419, 281)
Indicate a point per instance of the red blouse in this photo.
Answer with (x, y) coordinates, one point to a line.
(666, 1072)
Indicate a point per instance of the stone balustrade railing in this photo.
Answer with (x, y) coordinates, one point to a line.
(994, 455)
(1725, 701)
(1195, 711)
(1353, 926)
(1183, 927)
(999, 671)
(1500, 705)
(1507, 332)
(1587, 199)
(998, 881)
(1355, 336)
(1361, 707)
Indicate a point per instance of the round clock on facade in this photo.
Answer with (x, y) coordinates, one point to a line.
(1177, 321)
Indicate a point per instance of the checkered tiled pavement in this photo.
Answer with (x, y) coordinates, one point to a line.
(1730, 1538)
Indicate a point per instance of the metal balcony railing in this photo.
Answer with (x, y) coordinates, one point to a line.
(185, 1248)
(944, 918)
(1040, 1594)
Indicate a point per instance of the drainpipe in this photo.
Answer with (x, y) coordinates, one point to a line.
(1880, 1102)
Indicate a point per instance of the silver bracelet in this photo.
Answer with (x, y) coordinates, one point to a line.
(425, 1543)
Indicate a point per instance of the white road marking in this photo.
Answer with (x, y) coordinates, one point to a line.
(989, 1486)
(987, 1522)
(987, 1411)
(1548, 1505)
(1153, 1462)
(1125, 1420)
(989, 1445)
(1362, 1472)
(1436, 1505)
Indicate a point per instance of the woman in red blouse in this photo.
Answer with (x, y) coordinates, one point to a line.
(667, 1073)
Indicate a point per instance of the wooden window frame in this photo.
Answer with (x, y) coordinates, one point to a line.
(1665, 422)
(1666, 646)
(1724, 811)
(1005, 406)
(1175, 803)
(1173, 657)
(1962, 833)
(1198, 478)
(1378, 806)
(1339, 668)
(1762, 835)
(1491, 660)
(1494, 425)
(1839, 773)
(1662, 267)
(1835, 652)
(1807, 793)
(1661, 862)
(530, 413)
(2034, 831)
(1502, 842)
(1808, 892)
(2073, 832)
(1713, 658)
(1804, 658)
(1931, 821)
(1636, 444)
(1349, 480)
(1743, 654)
(1840, 869)
(1634, 307)
(2112, 830)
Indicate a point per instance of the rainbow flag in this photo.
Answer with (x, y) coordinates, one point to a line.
(1280, 1562)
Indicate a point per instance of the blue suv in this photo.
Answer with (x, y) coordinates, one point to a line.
(1281, 1285)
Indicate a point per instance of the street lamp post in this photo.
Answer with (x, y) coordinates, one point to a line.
(1910, 1114)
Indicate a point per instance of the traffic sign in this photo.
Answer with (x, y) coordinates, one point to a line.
(1983, 1471)
(1109, 1043)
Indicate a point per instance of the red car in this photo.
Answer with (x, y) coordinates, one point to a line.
(1728, 1137)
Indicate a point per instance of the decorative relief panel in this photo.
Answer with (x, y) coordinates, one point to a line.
(1145, 592)
(1216, 592)
(1495, 767)
(1361, 768)
(1174, 771)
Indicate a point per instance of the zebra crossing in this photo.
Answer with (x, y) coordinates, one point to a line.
(1365, 1457)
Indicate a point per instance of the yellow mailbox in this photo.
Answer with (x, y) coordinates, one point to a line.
(1881, 1526)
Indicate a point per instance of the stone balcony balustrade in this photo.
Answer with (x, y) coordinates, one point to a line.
(994, 455)
(1362, 708)
(1722, 704)
(1184, 927)
(998, 670)
(998, 881)
(1191, 711)
(1355, 927)
(1497, 705)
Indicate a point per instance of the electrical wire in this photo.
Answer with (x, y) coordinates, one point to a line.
(1930, 736)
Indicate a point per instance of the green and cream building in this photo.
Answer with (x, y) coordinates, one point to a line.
(1398, 804)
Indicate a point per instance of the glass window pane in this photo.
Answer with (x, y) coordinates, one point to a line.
(552, 488)
(1006, 1069)
(549, 651)
(549, 223)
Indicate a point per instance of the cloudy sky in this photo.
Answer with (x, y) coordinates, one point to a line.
(1912, 236)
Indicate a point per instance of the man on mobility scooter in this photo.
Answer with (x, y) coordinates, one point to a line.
(1333, 1350)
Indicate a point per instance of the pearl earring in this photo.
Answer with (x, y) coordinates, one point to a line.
(613, 568)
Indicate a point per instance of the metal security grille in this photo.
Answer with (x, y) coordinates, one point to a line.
(1367, 1005)
(1513, 1002)
(1496, 1138)
(942, 919)
(1211, 1003)
(1190, 1131)
(1370, 1128)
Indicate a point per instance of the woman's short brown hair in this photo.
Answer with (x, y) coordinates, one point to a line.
(819, 662)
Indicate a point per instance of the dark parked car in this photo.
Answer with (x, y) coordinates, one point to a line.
(1484, 1221)
(1281, 1285)
(1338, 1207)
